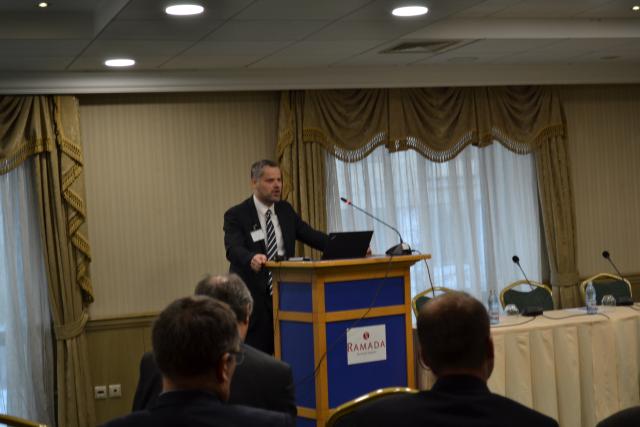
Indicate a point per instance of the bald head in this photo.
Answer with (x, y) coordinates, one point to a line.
(228, 288)
(453, 330)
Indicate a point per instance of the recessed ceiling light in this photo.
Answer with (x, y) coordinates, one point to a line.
(119, 62)
(184, 9)
(409, 11)
(43, 4)
(635, 8)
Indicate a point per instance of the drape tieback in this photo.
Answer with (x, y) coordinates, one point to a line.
(563, 280)
(72, 329)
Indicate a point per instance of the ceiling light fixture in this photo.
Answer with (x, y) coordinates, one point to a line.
(119, 62)
(184, 9)
(409, 11)
(635, 8)
(43, 4)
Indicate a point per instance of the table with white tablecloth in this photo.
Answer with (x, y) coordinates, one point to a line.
(574, 367)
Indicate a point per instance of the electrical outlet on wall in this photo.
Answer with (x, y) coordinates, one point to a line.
(115, 390)
(100, 392)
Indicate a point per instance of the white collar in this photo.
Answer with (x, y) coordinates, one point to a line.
(261, 207)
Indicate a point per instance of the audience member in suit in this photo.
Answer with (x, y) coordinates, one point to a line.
(197, 347)
(629, 417)
(456, 345)
(245, 235)
(260, 381)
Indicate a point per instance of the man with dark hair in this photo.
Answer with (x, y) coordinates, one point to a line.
(455, 343)
(197, 347)
(629, 417)
(261, 228)
(260, 381)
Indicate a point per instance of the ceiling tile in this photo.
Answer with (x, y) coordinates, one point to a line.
(105, 48)
(27, 63)
(486, 8)
(298, 10)
(365, 30)
(276, 30)
(41, 48)
(160, 29)
(209, 62)
(548, 8)
(235, 48)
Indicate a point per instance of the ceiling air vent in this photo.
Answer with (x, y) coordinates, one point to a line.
(424, 46)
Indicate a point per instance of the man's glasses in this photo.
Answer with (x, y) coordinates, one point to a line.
(238, 355)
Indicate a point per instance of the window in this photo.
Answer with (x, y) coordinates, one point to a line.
(26, 361)
(472, 214)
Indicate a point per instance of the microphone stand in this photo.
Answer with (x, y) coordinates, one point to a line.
(399, 249)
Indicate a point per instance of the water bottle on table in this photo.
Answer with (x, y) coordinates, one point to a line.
(590, 297)
(494, 308)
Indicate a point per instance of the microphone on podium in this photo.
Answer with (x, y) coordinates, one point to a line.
(399, 249)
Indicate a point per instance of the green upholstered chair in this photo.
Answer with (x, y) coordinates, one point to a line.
(424, 296)
(336, 418)
(11, 421)
(607, 284)
(539, 296)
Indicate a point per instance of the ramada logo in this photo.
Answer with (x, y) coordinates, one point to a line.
(366, 345)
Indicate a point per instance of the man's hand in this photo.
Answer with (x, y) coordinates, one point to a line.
(257, 262)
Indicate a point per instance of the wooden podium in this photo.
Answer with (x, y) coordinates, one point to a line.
(315, 303)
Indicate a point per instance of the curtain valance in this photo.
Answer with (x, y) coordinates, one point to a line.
(436, 122)
(25, 129)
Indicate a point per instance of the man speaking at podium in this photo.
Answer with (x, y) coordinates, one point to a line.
(259, 229)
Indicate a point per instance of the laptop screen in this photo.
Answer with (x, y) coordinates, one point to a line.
(351, 244)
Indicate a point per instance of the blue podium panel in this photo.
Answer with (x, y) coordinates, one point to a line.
(295, 296)
(356, 294)
(296, 340)
(346, 382)
(305, 422)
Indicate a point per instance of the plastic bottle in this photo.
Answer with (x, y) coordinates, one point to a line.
(590, 297)
(494, 308)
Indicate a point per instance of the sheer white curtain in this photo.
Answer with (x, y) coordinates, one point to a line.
(472, 213)
(26, 356)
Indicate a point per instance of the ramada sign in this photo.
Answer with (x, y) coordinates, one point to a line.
(366, 344)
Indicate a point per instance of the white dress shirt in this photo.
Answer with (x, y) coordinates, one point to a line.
(262, 211)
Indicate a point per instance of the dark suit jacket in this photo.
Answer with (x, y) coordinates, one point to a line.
(260, 381)
(452, 402)
(626, 418)
(239, 222)
(195, 408)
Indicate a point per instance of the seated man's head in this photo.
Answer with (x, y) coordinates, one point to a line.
(230, 289)
(453, 330)
(195, 341)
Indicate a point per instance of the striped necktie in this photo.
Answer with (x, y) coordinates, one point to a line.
(272, 246)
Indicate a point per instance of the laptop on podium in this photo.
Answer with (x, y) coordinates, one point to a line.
(349, 244)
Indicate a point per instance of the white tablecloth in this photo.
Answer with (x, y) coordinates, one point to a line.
(574, 367)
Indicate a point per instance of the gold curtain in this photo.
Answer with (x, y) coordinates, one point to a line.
(48, 129)
(302, 166)
(438, 123)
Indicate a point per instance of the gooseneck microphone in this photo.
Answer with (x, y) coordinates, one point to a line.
(516, 261)
(620, 300)
(530, 311)
(605, 255)
(399, 249)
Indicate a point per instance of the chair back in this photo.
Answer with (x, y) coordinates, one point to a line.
(539, 296)
(12, 421)
(606, 284)
(420, 299)
(350, 406)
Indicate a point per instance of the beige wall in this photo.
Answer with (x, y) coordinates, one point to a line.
(604, 142)
(160, 172)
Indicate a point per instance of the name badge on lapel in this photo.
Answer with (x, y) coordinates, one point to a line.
(257, 235)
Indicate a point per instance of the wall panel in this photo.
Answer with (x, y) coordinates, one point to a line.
(604, 142)
(160, 172)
